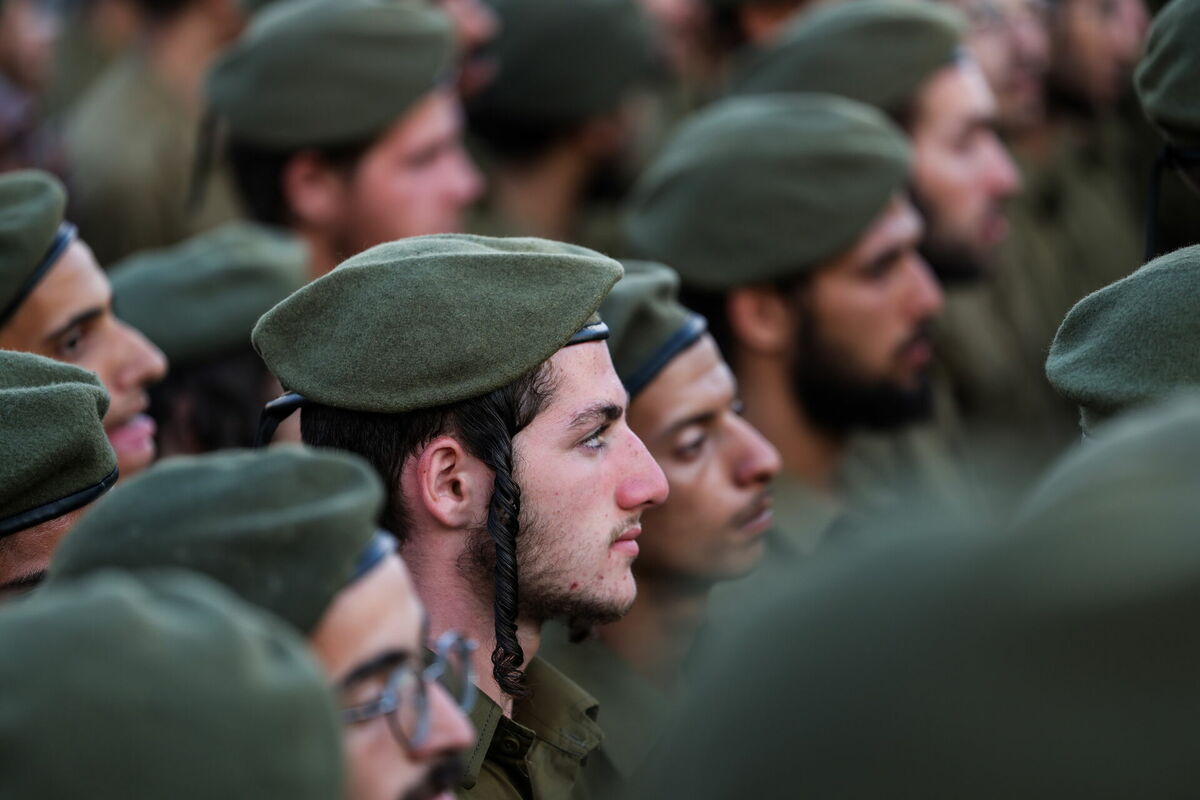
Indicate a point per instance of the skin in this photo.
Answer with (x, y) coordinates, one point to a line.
(25, 556)
(379, 615)
(69, 317)
(1010, 42)
(1096, 44)
(475, 25)
(961, 170)
(28, 33)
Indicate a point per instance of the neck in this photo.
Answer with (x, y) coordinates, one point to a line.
(657, 634)
(543, 198)
(454, 602)
(180, 51)
(809, 452)
(322, 253)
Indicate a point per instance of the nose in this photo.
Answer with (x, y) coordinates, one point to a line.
(758, 461)
(644, 484)
(1005, 179)
(925, 297)
(477, 22)
(449, 729)
(142, 363)
(467, 182)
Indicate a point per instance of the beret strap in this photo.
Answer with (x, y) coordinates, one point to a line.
(62, 238)
(56, 508)
(689, 334)
(595, 332)
(382, 545)
(274, 413)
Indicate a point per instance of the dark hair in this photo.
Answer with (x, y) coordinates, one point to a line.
(515, 140)
(713, 306)
(162, 10)
(485, 426)
(258, 175)
(224, 394)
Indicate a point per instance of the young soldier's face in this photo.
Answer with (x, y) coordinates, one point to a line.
(585, 480)
(372, 627)
(69, 317)
(1096, 44)
(1009, 40)
(717, 465)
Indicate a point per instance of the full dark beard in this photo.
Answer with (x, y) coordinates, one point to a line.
(442, 777)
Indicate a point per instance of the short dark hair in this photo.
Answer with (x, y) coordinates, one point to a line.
(485, 426)
(517, 140)
(225, 394)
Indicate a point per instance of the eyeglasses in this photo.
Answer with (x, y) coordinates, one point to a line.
(404, 700)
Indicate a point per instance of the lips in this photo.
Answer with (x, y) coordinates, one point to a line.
(132, 436)
(756, 518)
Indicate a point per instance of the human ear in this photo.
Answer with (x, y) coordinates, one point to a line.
(453, 486)
(760, 319)
(314, 191)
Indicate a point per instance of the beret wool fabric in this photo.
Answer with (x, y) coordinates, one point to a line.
(432, 320)
(562, 62)
(163, 685)
(878, 52)
(1131, 342)
(1168, 77)
(647, 325)
(282, 527)
(760, 189)
(54, 454)
(199, 300)
(327, 72)
(31, 209)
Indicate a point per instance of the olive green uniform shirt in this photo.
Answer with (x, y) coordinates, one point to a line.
(132, 146)
(539, 753)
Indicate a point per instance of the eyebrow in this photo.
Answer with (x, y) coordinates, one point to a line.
(593, 414)
(78, 319)
(30, 581)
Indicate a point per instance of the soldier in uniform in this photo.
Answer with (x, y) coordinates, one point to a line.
(472, 373)
(55, 301)
(344, 125)
(684, 405)
(293, 532)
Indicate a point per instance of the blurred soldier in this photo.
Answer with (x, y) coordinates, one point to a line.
(787, 218)
(161, 686)
(293, 532)
(560, 122)
(198, 301)
(132, 138)
(475, 26)
(344, 125)
(684, 405)
(488, 402)
(54, 460)
(1133, 342)
(1054, 660)
(55, 301)
(739, 24)
(28, 31)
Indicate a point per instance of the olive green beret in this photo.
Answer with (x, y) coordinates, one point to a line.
(647, 325)
(1055, 660)
(878, 52)
(563, 62)
(1132, 341)
(432, 320)
(759, 189)
(163, 685)
(282, 527)
(54, 454)
(326, 72)
(1169, 73)
(32, 233)
(200, 299)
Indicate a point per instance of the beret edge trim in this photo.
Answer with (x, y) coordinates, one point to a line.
(693, 328)
(63, 237)
(56, 508)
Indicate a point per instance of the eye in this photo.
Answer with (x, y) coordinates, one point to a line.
(595, 439)
(71, 344)
(692, 446)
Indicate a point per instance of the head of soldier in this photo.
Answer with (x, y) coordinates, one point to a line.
(493, 410)
(294, 532)
(787, 219)
(1165, 79)
(344, 125)
(1095, 46)
(906, 59)
(684, 405)
(55, 301)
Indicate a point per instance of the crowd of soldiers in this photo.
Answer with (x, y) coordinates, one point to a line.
(402, 399)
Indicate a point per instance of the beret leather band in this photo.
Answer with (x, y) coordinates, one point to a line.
(56, 508)
(382, 545)
(62, 238)
(592, 332)
(688, 335)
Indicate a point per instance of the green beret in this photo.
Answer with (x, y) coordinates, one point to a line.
(878, 52)
(432, 320)
(562, 62)
(160, 686)
(327, 72)
(282, 527)
(759, 189)
(54, 454)
(199, 300)
(1132, 341)
(32, 234)
(647, 325)
(1169, 73)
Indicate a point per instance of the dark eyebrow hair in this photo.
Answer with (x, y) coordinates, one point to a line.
(78, 319)
(29, 581)
(386, 660)
(599, 412)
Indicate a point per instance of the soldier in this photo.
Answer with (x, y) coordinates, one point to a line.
(55, 301)
(293, 532)
(487, 401)
(344, 126)
(54, 460)
(684, 405)
(161, 686)
(198, 301)
(560, 123)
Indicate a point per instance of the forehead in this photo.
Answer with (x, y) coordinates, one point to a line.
(73, 285)
(956, 93)
(583, 375)
(696, 381)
